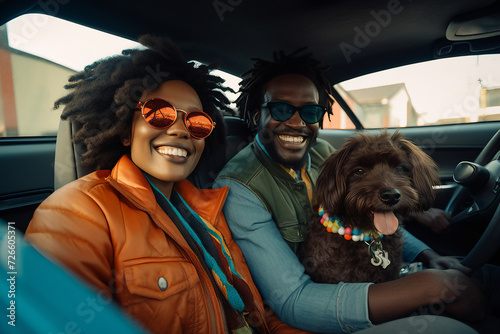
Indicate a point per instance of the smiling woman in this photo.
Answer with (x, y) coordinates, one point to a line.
(136, 229)
(168, 154)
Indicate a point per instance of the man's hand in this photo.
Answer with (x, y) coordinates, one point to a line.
(431, 259)
(431, 291)
(462, 297)
(436, 219)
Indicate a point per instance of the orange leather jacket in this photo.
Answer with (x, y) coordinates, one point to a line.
(108, 228)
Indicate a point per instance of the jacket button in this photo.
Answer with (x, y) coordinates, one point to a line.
(162, 283)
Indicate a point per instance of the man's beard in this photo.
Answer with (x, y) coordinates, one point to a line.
(269, 145)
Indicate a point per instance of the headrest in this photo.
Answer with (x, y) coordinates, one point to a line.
(67, 166)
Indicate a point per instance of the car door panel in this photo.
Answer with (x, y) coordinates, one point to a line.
(26, 177)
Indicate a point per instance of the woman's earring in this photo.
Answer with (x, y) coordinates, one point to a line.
(125, 141)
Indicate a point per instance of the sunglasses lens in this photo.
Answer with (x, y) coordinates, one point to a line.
(311, 114)
(160, 114)
(199, 124)
(280, 111)
(283, 111)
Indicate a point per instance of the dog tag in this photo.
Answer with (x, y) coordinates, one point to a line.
(379, 255)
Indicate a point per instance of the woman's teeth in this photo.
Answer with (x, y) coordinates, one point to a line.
(291, 139)
(167, 150)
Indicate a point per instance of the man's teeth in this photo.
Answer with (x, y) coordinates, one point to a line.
(166, 150)
(291, 139)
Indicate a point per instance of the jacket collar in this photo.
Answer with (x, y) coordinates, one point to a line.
(128, 179)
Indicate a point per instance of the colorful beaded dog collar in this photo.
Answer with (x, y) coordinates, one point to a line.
(334, 225)
(372, 237)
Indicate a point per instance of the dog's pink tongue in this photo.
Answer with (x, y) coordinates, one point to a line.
(385, 222)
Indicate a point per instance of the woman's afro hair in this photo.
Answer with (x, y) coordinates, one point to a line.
(104, 95)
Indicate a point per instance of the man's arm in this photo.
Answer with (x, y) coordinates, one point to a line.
(304, 304)
(416, 250)
(280, 276)
(412, 246)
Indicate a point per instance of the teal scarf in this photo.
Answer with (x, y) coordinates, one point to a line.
(205, 236)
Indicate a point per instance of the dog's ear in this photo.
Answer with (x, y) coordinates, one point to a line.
(425, 173)
(332, 181)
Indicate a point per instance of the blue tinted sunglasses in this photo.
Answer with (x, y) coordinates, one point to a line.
(282, 111)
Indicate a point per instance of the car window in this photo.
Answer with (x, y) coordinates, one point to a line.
(445, 91)
(38, 53)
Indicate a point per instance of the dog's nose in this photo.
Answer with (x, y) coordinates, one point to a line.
(390, 196)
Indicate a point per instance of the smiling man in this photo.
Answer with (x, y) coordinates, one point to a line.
(270, 202)
(283, 132)
(282, 164)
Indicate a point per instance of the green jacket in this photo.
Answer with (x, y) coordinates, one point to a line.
(284, 197)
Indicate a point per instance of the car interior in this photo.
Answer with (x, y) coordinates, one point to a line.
(355, 38)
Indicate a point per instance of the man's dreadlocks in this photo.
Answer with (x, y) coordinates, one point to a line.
(253, 85)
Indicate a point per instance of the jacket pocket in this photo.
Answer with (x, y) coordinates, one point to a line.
(291, 231)
(158, 278)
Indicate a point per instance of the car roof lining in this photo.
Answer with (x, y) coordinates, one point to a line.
(255, 29)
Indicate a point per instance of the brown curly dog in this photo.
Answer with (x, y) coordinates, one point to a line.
(361, 189)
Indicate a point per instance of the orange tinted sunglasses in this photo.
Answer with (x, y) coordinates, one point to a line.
(161, 114)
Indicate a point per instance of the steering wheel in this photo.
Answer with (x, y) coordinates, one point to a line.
(479, 181)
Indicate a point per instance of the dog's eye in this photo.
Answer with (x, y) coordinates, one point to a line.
(402, 169)
(359, 172)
